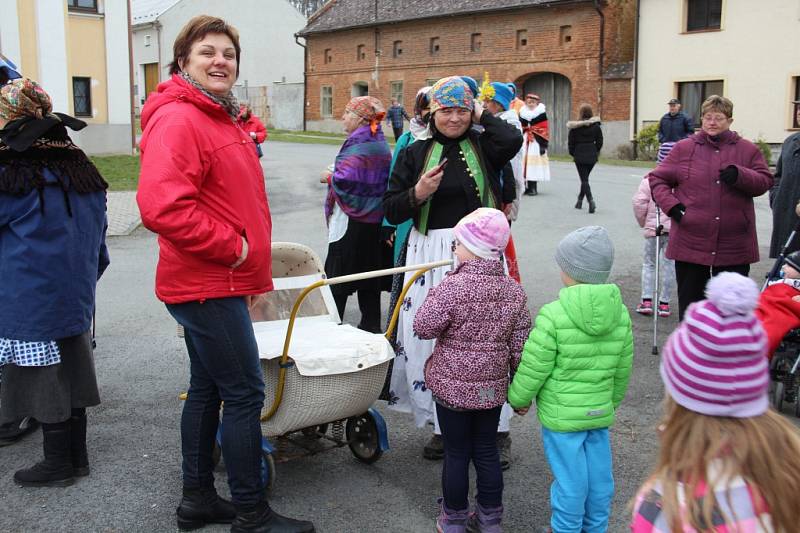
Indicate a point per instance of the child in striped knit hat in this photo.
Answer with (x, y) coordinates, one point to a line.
(727, 461)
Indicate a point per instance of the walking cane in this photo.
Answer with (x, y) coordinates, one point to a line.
(656, 294)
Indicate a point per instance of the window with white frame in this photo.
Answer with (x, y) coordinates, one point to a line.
(396, 91)
(326, 101)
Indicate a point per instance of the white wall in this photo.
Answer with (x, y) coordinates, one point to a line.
(51, 34)
(9, 31)
(143, 55)
(756, 53)
(266, 34)
(117, 64)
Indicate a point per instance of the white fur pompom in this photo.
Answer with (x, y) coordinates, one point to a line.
(732, 293)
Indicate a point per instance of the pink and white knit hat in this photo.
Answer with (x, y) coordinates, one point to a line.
(484, 232)
(715, 363)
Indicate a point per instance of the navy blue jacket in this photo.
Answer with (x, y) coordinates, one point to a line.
(673, 128)
(50, 261)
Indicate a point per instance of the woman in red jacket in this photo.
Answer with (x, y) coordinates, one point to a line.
(706, 185)
(253, 127)
(201, 189)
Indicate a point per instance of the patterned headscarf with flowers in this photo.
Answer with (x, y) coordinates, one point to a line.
(451, 92)
(368, 108)
(24, 97)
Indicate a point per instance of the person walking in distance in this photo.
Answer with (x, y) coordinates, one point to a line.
(674, 126)
(395, 116)
(585, 142)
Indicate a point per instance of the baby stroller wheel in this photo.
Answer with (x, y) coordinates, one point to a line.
(268, 471)
(778, 395)
(362, 438)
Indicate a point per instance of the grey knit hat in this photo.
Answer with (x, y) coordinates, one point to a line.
(586, 254)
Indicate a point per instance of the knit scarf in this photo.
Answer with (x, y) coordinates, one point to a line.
(228, 102)
(360, 176)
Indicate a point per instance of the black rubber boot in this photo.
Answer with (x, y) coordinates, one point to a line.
(78, 454)
(579, 203)
(592, 206)
(199, 507)
(262, 519)
(56, 469)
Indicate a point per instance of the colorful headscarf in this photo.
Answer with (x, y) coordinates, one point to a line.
(24, 97)
(451, 92)
(369, 108)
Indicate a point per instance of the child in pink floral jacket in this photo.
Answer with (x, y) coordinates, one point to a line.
(480, 320)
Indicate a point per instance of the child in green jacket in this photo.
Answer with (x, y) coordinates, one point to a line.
(576, 364)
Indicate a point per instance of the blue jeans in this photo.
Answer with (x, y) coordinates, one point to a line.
(470, 436)
(224, 366)
(580, 496)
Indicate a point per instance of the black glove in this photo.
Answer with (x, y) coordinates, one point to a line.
(677, 212)
(387, 232)
(729, 174)
(542, 150)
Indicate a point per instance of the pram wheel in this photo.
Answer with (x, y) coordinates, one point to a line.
(362, 438)
(268, 471)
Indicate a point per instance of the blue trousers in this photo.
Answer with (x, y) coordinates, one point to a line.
(580, 496)
(470, 436)
(224, 366)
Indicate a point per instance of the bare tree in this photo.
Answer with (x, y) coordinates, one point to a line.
(307, 7)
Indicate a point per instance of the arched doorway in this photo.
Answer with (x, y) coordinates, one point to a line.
(359, 88)
(555, 91)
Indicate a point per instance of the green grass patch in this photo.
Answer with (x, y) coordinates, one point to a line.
(120, 171)
(305, 139)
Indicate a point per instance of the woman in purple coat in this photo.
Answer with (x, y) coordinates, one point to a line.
(706, 185)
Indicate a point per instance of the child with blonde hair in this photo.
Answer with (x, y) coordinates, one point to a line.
(727, 462)
(479, 318)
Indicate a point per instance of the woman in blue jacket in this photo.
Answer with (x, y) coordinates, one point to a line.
(52, 251)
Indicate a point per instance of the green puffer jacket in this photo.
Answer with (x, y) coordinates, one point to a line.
(577, 360)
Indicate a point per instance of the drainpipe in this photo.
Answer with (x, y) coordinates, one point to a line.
(157, 26)
(601, 57)
(305, 76)
(636, 81)
(130, 81)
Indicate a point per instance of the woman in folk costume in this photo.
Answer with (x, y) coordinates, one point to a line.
(52, 252)
(417, 130)
(537, 137)
(354, 211)
(436, 199)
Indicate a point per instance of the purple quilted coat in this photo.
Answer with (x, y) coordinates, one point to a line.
(719, 227)
(480, 320)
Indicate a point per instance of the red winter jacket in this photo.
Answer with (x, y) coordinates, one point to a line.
(778, 312)
(719, 227)
(254, 125)
(201, 189)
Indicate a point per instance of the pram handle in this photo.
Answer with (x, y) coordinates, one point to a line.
(776, 268)
(420, 270)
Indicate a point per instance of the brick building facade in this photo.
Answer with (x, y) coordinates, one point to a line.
(392, 48)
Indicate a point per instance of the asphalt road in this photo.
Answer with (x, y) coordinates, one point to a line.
(142, 368)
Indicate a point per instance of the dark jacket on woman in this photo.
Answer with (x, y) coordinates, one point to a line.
(457, 194)
(52, 241)
(784, 195)
(585, 140)
(719, 224)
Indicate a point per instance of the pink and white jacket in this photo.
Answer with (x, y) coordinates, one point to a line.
(644, 209)
(480, 320)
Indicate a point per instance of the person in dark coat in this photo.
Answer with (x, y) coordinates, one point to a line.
(395, 116)
(673, 127)
(585, 142)
(706, 186)
(785, 194)
(52, 252)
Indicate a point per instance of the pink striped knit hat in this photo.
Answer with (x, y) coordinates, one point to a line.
(484, 232)
(715, 362)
